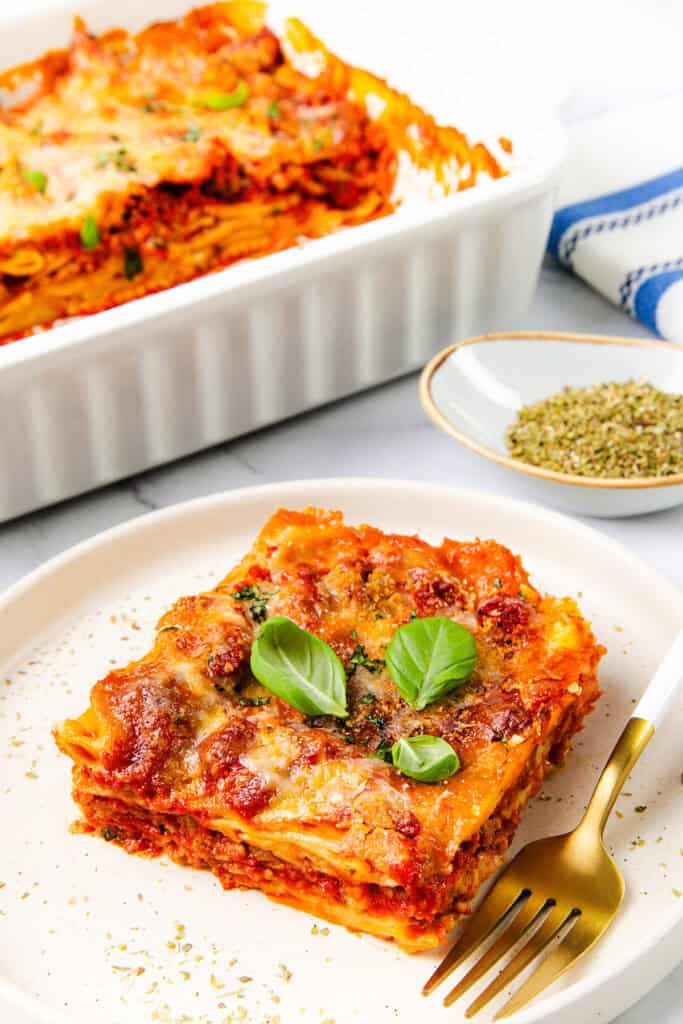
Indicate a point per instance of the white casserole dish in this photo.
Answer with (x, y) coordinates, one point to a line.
(112, 394)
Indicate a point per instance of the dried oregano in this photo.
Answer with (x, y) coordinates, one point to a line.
(612, 430)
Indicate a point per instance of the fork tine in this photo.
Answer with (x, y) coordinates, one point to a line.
(554, 922)
(497, 905)
(518, 927)
(573, 946)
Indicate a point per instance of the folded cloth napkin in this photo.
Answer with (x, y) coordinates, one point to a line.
(619, 225)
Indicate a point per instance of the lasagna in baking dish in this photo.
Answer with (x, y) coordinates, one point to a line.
(189, 753)
(129, 164)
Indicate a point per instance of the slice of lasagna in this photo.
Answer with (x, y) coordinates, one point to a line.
(184, 753)
(129, 164)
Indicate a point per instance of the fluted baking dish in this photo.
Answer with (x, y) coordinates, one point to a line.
(97, 399)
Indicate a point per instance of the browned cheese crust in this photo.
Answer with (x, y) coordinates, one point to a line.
(184, 753)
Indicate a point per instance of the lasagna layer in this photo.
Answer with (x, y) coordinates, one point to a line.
(302, 807)
(417, 917)
(129, 163)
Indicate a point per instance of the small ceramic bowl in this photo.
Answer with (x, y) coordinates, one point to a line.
(473, 390)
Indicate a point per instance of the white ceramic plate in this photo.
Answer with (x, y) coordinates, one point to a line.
(89, 934)
(474, 389)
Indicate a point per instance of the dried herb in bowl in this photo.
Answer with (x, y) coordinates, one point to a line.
(615, 430)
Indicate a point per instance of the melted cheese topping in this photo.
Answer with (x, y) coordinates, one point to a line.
(188, 730)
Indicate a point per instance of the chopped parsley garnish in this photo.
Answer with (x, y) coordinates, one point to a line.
(165, 629)
(192, 133)
(367, 698)
(132, 263)
(274, 110)
(37, 179)
(90, 234)
(152, 105)
(122, 162)
(118, 157)
(253, 702)
(109, 833)
(257, 600)
(497, 582)
(37, 127)
(413, 615)
(383, 750)
(376, 720)
(360, 657)
(315, 721)
(225, 100)
(318, 144)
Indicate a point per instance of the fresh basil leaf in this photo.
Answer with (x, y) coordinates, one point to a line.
(299, 668)
(425, 758)
(427, 658)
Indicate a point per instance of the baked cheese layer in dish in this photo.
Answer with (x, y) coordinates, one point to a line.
(184, 753)
(129, 164)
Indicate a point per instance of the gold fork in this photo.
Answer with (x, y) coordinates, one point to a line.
(558, 894)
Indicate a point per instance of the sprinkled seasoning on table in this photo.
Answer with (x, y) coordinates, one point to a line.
(628, 429)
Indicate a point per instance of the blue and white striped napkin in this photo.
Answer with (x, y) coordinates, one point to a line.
(619, 225)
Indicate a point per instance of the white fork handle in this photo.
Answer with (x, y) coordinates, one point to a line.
(637, 733)
(665, 686)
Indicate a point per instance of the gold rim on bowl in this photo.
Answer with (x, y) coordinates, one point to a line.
(603, 483)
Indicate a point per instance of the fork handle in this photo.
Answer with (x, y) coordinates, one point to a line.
(650, 710)
(665, 686)
(629, 747)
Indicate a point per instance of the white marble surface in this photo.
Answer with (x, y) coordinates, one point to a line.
(632, 50)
